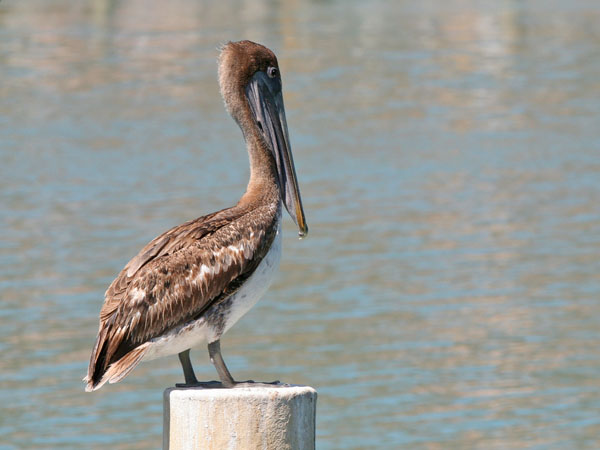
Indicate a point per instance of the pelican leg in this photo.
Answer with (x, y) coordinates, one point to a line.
(188, 370)
(214, 351)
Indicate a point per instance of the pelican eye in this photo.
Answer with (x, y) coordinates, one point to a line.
(272, 72)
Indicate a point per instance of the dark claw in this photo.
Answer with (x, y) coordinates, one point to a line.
(252, 383)
(201, 384)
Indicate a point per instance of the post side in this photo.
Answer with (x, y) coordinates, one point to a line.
(257, 417)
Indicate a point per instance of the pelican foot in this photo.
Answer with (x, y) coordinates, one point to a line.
(202, 384)
(252, 383)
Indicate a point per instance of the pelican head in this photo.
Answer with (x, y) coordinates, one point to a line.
(250, 83)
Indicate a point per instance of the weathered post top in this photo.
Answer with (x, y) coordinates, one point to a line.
(262, 417)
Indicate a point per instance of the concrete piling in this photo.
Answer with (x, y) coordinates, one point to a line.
(261, 417)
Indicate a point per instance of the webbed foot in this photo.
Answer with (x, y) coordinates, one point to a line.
(252, 383)
(203, 384)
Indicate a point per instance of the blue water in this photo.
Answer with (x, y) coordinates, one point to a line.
(449, 161)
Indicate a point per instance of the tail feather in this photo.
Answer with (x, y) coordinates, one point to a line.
(97, 364)
(117, 370)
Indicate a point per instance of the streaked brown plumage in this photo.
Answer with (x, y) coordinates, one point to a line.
(187, 276)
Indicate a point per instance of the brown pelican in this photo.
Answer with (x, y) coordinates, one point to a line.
(192, 283)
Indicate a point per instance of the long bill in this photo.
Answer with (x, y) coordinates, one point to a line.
(266, 102)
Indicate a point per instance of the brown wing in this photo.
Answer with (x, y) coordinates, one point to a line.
(167, 243)
(177, 276)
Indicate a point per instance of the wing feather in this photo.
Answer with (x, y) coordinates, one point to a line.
(165, 244)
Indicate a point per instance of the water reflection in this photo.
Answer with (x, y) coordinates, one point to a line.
(449, 163)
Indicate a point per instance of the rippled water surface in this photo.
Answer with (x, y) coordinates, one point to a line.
(449, 160)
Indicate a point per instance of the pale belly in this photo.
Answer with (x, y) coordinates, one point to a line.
(205, 331)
